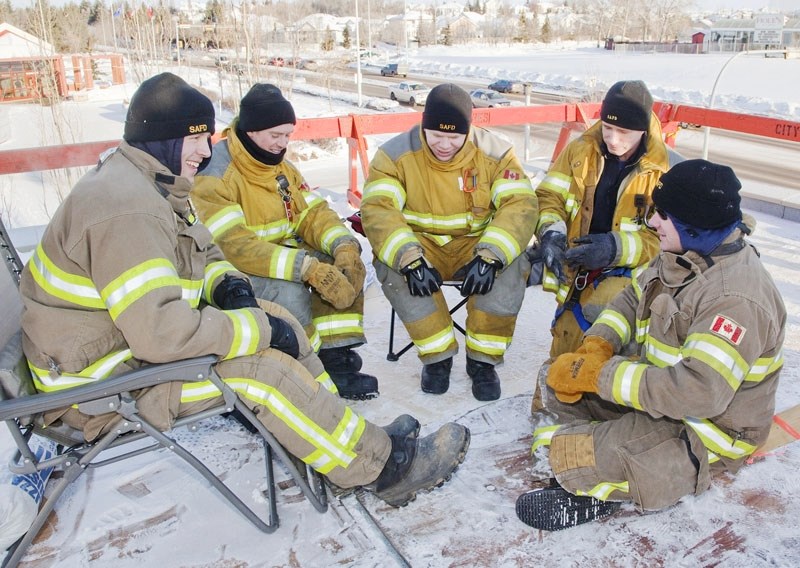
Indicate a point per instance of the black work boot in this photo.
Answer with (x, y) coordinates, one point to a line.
(340, 360)
(403, 425)
(436, 376)
(421, 464)
(485, 382)
(355, 386)
(554, 508)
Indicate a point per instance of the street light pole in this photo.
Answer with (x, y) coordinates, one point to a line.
(177, 43)
(716, 82)
(358, 59)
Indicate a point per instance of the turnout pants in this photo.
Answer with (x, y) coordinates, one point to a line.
(325, 326)
(615, 453)
(491, 317)
(308, 420)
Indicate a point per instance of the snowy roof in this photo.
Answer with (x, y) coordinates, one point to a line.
(15, 43)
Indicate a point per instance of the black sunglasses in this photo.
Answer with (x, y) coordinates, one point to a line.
(654, 210)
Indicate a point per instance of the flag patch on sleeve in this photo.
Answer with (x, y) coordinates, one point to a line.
(510, 174)
(727, 328)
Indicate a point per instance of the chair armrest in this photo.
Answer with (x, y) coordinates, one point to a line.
(186, 370)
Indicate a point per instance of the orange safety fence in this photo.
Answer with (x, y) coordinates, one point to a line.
(356, 127)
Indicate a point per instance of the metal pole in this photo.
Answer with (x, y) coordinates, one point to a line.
(177, 43)
(716, 82)
(526, 152)
(358, 59)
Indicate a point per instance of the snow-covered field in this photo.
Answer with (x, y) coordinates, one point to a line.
(153, 511)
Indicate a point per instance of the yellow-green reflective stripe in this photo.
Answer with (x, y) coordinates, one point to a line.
(225, 219)
(717, 354)
(628, 224)
(617, 322)
(504, 241)
(764, 366)
(717, 441)
(340, 324)
(135, 282)
(100, 369)
(191, 290)
(440, 240)
(329, 237)
(661, 354)
(489, 344)
(603, 490)
(274, 231)
(505, 188)
(557, 182)
(625, 387)
(312, 199)
(281, 263)
(325, 380)
(547, 218)
(436, 342)
(385, 188)
(72, 288)
(212, 272)
(631, 247)
(337, 449)
(315, 341)
(543, 436)
(430, 221)
(642, 329)
(245, 333)
(394, 243)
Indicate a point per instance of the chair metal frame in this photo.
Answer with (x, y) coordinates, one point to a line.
(21, 407)
(391, 355)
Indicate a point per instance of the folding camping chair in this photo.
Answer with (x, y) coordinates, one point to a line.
(21, 407)
(391, 355)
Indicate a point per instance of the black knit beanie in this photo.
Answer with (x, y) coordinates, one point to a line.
(700, 193)
(264, 107)
(165, 107)
(448, 108)
(628, 104)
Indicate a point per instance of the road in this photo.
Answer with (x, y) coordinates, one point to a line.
(760, 160)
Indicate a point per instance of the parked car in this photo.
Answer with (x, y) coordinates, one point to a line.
(277, 62)
(484, 98)
(409, 92)
(395, 69)
(503, 86)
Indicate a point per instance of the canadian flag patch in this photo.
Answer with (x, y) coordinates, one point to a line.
(728, 329)
(509, 174)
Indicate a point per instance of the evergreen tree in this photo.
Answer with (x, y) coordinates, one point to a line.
(328, 43)
(346, 37)
(546, 31)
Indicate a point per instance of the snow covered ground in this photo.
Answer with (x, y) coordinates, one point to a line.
(154, 511)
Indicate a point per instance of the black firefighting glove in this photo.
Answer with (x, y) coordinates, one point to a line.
(234, 293)
(593, 252)
(554, 246)
(478, 275)
(283, 337)
(422, 279)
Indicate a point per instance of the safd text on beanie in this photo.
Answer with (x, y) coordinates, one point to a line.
(700, 193)
(448, 108)
(627, 104)
(264, 107)
(166, 107)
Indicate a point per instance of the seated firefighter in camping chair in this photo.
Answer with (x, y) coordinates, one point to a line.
(125, 277)
(448, 201)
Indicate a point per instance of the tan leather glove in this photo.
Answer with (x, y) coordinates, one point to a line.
(347, 258)
(573, 374)
(329, 282)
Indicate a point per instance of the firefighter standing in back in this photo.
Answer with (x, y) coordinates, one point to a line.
(125, 276)
(591, 228)
(448, 201)
(271, 226)
(709, 325)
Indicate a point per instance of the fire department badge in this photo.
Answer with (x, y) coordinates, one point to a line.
(727, 328)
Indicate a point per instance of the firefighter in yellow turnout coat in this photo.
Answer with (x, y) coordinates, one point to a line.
(708, 324)
(295, 249)
(125, 276)
(591, 226)
(449, 201)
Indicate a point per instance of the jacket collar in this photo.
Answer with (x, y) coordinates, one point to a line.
(655, 156)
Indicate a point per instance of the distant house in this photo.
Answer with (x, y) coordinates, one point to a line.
(30, 68)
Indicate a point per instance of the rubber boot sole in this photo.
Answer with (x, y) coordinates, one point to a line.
(555, 509)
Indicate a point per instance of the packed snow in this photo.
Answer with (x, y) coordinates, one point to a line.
(154, 510)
